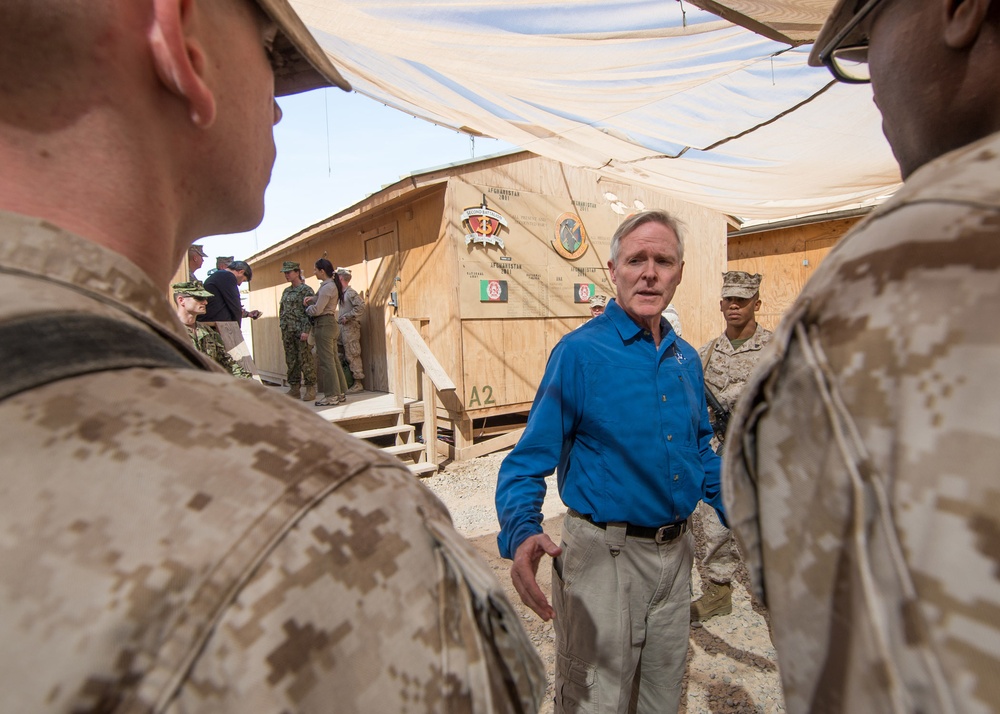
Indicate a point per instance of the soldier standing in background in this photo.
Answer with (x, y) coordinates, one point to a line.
(191, 300)
(221, 263)
(727, 362)
(597, 304)
(352, 307)
(196, 259)
(295, 327)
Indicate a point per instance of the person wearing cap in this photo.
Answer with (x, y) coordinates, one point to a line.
(176, 540)
(727, 362)
(225, 304)
(632, 464)
(597, 305)
(323, 309)
(196, 258)
(295, 328)
(861, 461)
(221, 263)
(352, 307)
(191, 300)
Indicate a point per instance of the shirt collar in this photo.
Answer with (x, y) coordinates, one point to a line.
(628, 329)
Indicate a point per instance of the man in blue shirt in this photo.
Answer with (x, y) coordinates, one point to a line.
(621, 412)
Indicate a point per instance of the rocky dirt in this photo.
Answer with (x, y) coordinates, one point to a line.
(731, 663)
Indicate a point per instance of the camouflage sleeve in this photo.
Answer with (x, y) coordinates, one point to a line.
(371, 603)
(357, 306)
(210, 342)
(304, 323)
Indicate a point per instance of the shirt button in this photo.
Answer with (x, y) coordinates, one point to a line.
(676, 477)
(664, 397)
(670, 437)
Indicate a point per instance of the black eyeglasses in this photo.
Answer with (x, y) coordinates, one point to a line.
(848, 61)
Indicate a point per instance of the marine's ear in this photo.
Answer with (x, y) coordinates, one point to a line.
(963, 20)
(179, 56)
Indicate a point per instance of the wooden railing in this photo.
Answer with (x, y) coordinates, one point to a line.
(433, 379)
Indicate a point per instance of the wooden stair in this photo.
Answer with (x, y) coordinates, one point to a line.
(373, 417)
(406, 448)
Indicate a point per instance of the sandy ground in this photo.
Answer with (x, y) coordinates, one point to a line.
(731, 662)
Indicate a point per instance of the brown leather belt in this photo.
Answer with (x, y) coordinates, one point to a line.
(660, 534)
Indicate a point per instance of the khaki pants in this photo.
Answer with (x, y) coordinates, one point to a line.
(622, 622)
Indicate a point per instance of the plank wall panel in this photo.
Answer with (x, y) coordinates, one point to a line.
(786, 258)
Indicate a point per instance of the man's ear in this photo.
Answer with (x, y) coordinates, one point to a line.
(963, 20)
(611, 271)
(179, 57)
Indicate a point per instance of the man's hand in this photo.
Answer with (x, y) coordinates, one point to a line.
(524, 569)
(304, 337)
(254, 314)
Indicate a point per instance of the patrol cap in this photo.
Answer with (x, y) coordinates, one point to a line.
(738, 284)
(289, 265)
(839, 16)
(191, 288)
(300, 64)
(344, 271)
(198, 249)
(598, 300)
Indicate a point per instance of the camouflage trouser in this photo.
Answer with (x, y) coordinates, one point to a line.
(350, 338)
(721, 553)
(298, 360)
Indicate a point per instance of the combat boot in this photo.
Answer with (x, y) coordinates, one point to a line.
(716, 599)
(310, 394)
(358, 386)
(294, 391)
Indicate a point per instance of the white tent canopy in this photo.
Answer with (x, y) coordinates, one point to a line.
(654, 91)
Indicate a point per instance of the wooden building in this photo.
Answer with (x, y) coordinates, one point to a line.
(786, 253)
(492, 261)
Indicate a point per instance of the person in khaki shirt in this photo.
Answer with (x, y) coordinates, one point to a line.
(860, 469)
(175, 540)
(727, 362)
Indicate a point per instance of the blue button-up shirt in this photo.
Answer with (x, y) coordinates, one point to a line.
(626, 425)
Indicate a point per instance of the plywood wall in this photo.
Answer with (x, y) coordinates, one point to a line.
(786, 258)
(392, 248)
(506, 344)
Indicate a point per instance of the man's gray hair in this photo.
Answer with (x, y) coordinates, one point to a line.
(641, 218)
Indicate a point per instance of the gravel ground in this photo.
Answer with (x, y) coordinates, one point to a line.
(731, 662)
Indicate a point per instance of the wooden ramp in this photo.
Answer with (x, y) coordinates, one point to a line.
(375, 417)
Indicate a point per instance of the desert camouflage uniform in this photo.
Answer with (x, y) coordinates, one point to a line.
(726, 374)
(207, 340)
(861, 468)
(278, 566)
(352, 308)
(293, 321)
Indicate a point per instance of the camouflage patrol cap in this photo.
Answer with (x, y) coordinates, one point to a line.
(191, 288)
(598, 300)
(289, 265)
(737, 283)
(300, 64)
(344, 271)
(198, 249)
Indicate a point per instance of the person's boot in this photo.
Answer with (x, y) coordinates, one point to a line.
(294, 391)
(358, 386)
(310, 394)
(716, 599)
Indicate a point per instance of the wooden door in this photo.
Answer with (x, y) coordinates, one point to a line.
(382, 270)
